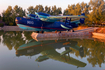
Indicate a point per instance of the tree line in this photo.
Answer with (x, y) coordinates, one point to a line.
(94, 10)
(10, 13)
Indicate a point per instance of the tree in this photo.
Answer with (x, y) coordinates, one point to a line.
(31, 10)
(39, 8)
(70, 10)
(18, 11)
(56, 11)
(59, 10)
(10, 14)
(65, 12)
(85, 8)
(97, 7)
(0, 16)
(77, 9)
(54, 8)
(7, 15)
(47, 10)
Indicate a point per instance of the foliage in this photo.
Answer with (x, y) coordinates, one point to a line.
(11, 24)
(10, 14)
(95, 51)
(94, 10)
(1, 24)
(0, 16)
(15, 39)
(39, 8)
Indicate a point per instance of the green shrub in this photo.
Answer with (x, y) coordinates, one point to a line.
(11, 24)
(1, 24)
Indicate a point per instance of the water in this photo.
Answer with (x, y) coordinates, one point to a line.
(18, 51)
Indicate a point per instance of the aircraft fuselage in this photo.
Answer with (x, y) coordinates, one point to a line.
(38, 25)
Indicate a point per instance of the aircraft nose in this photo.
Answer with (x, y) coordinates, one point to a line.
(16, 20)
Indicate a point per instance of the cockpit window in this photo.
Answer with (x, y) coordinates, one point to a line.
(44, 14)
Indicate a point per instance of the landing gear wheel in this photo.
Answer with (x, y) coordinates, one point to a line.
(60, 32)
(42, 32)
(71, 30)
(67, 30)
(37, 31)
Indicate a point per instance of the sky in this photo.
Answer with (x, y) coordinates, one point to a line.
(26, 3)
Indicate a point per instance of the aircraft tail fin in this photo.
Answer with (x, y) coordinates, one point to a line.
(82, 19)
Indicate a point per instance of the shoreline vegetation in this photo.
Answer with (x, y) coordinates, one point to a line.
(94, 10)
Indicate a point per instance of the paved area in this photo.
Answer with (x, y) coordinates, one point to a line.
(78, 33)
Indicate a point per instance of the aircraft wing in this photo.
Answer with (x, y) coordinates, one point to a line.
(48, 18)
(64, 17)
(56, 18)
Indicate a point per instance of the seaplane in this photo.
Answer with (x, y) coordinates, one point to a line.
(41, 22)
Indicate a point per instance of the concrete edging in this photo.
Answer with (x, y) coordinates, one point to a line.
(79, 33)
(98, 35)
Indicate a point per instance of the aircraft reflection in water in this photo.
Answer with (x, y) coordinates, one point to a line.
(48, 50)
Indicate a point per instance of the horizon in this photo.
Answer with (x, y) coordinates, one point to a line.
(63, 4)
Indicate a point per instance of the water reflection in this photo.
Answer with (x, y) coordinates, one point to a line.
(15, 39)
(48, 50)
(91, 49)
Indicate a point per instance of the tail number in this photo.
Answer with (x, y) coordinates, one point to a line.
(30, 22)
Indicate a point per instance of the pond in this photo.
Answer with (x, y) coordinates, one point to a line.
(18, 51)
